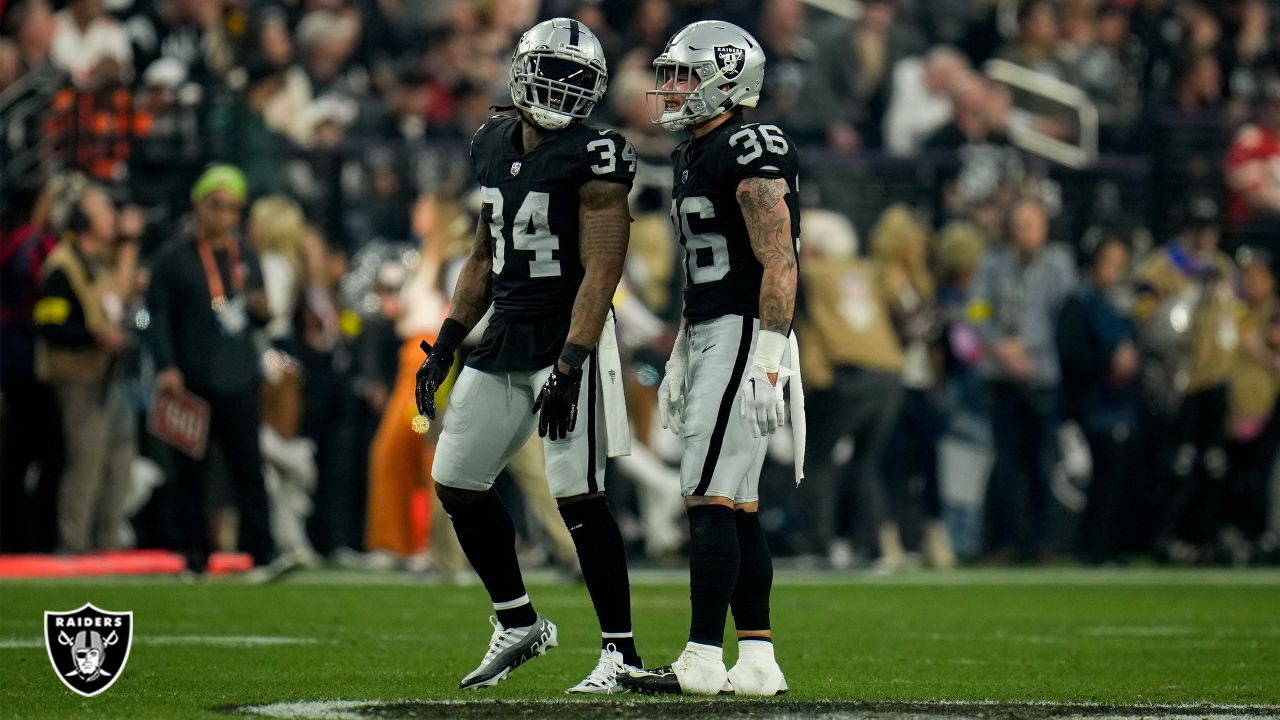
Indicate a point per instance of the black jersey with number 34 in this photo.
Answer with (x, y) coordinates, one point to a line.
(530, 203)
(722, 274)
(531, 206)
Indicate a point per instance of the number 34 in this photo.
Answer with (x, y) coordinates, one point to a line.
(608, 150)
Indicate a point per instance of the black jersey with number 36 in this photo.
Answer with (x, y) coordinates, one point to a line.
(531, 207)
(722, 274)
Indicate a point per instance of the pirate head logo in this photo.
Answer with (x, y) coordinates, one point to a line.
(729, 58)
(88, 647)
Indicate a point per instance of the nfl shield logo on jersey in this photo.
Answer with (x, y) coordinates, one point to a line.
(730, 59)
(515, 168)
(88, 647)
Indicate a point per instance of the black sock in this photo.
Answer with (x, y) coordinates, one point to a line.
(755, 575)
(488, 538)
(713, 571)
(604, 569)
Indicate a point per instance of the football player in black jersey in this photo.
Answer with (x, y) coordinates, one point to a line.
(549, 252)
(734, 208)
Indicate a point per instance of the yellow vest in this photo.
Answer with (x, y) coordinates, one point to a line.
(1254, 383)
(81, 365)
(845, 322)
(1213, 332)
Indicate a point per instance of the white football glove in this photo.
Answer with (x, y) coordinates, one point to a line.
(762, 403)
(671, 391)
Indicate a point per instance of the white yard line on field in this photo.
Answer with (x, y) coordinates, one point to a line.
(215, 640)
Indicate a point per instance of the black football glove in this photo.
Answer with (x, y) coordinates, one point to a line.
(558, 402)
(433, 371)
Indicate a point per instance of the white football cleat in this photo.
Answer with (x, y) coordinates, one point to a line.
(603, 680)
(698, 671)
(755, 678)
(756, 672)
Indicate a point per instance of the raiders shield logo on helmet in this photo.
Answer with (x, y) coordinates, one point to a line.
(730, 60)
(88, 647)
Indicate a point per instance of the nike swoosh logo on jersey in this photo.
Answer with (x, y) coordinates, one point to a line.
(708, 347)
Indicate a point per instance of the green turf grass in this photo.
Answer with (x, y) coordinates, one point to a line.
(1058, 636)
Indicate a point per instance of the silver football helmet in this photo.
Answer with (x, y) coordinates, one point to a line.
(558, 72)
(707, 68)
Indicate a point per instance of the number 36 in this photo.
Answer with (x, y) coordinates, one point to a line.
(774, 141)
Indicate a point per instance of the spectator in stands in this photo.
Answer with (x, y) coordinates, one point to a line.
(85, 37)
(1186, 314)
(243, 134)
(899, 247)
(1254, 423)
(191, 32)
(277, 231)
(327, 40)
(377, 212)
(1197, 91)
(650, 27)
(851, 363)
(82, 297)
(30, 23)
(286, 111)
(1110, 71)
(920, 101)
(10, 63)
(1253, 173)
(783, 25)
(1099, 359)
(1036, 46)
(900, 253)
(399, 460)
(1244, 52)
(331, 417)
(965, 441)
(30, 429)
(848, 85)
(168, 145)
(1015, 300)
(205, 299)
(316, 177)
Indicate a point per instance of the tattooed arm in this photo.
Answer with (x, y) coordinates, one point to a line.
(604, 220)
(474, 292)
(769, 228)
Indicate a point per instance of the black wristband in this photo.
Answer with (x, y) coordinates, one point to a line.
(452, 333)
(574, 355)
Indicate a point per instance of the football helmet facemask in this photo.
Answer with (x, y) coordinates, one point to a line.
(707, 68)
(557, 73)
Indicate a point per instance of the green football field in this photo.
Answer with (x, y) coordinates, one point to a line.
(970, 643)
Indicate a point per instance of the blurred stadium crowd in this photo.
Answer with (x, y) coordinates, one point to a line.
(1010, 359)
